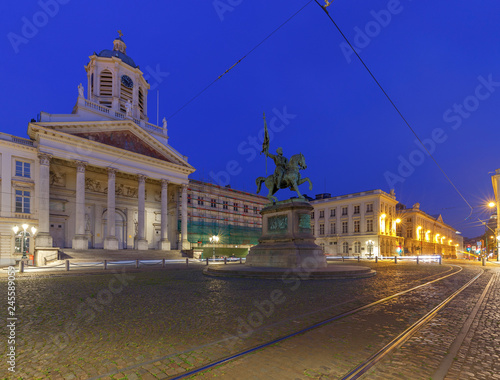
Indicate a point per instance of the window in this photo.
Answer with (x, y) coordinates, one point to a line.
(245, 208)
(409, 234)
(200, 201)
(321, 229)
(356, 209)
(333, 228)
(356, 226)
(332, 212)
(225, 205)
(189, 198)
(141, 100)
(255, 210)
(345, 247)
(23, 169)
(23, 201)
(344, 210)
(235, 206)
(344, 227)
(312, 229)
(369, 207)
(357, 247)
(312, 215)
(369, 225)
(408, 220)
(322, 214)
(213, 203)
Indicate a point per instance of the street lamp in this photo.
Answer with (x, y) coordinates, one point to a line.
(370, 247)
(214, 239)
(24, 244)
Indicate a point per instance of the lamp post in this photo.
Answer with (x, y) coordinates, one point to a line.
(498, 247)
(370, 248)
(214, 239)
(24, 239)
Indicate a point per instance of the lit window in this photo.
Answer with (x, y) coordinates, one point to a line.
(369, 225)
(356, 226)
(345, 247)
(357, 247)
(23, 201)
(344, 227)
(23, 169)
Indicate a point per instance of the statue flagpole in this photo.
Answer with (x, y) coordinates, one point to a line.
(265, 143)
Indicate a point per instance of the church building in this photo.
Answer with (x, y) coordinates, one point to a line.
(102, 177)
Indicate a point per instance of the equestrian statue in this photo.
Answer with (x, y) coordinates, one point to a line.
(286, 174)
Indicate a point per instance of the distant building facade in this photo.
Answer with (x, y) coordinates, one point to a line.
(356, 224)
(373, 223)
(426, 234)
(231, 215)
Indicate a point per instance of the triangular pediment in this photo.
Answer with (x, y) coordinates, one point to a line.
(124, 140)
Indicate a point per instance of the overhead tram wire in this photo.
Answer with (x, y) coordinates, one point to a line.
(241, 59)
(394, 105)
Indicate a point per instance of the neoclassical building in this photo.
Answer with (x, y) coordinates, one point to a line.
(356, 224)
(100, 177)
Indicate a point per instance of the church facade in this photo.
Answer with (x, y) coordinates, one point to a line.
(101, 177)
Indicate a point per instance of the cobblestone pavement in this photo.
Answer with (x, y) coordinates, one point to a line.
(153, 324)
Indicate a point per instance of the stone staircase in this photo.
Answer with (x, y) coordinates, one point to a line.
(91, 255)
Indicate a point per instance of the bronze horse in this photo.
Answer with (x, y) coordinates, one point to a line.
(291, 179)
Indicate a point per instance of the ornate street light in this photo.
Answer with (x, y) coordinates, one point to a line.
(24, 244)
(214, 239)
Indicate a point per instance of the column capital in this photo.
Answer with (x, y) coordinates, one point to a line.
(80, 166)
(184, 187)
(111, 172)
(164, 183)
(141, 178)
(44, 158)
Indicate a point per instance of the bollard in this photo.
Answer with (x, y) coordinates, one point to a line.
(163, 263)
(342, 258)
(241, 260)
(21, 266)
(358, 258)
(483, 262)
(225, 260)
(137, 263)
(105, 264)
(440, 260)
(395, 259)
(207, 260)
(417, 259)
(376, 259)
(187, 261)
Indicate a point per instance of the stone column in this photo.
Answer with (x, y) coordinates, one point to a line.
(141, 243)
(111, 242)
(43, 238)
(184, 230)
(80, 240)
(164, 242)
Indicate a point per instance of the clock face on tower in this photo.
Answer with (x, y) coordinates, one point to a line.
(127, 81)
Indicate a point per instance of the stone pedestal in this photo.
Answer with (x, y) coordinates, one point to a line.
(111, 243)
(164, 245)
(141, 244)
(287, 240)
(80, 242)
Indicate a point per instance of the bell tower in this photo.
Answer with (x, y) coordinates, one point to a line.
(116, 82)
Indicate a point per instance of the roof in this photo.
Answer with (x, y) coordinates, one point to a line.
(116, 53)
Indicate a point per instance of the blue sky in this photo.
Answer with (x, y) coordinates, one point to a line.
(439, 62)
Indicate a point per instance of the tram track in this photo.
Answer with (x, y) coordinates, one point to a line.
(362, 368)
